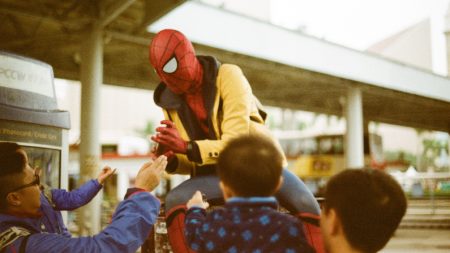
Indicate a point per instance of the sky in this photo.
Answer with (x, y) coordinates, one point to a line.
(354, 23)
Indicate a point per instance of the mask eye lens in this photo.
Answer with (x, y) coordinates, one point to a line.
(171, 66)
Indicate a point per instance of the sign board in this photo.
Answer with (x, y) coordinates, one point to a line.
(26, 74)
(30, 133)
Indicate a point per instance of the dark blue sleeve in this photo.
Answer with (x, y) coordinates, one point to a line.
(64, 200)
(194, 221)
(130, 226)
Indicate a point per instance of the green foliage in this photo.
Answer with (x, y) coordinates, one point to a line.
(149, 129)
(400, 156)
(432, 149)
(270, 122)
(301, 125)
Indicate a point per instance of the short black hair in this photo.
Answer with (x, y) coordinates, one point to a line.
(12, 163)
(250, 165)
(370, 205)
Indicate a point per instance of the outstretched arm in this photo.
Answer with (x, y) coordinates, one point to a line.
(130, 225)
(129, 228)
(64, 200)
(194, 221)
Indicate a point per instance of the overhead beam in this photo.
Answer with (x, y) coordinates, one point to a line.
(5, 9)
(142, 41)
(302, 51)
(114, 11)
(50, 39)
(155, 10)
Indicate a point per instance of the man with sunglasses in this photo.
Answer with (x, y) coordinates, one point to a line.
(55, 200)
(22, 213)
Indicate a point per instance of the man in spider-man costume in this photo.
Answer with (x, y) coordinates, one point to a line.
(205, 104)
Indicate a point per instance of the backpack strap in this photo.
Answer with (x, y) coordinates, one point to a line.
(23, 244)
(311, 227)
(8, 236)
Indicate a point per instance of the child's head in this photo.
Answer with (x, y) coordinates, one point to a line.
(250, 166)
(367, 204)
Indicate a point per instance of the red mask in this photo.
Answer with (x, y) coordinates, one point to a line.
(173, 57)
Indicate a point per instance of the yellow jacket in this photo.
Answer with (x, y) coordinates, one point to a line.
(232, 111)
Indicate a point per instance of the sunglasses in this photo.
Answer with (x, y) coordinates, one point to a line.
(36, 181)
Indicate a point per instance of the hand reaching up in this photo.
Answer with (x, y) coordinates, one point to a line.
(150, 173)
(170, 138)
(105, 174)
(197, 201)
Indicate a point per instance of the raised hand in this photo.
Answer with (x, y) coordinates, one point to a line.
(197, 201)
(105, 174)
(150, 173)
(170, 138)
(158, 149)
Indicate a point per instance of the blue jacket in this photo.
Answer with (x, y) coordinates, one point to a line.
(245, 225)
(54, 200)
(130, 226)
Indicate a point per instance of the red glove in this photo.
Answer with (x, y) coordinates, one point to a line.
(158, 150)
(170, 138)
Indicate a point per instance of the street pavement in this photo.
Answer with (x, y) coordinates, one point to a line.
(419, 241)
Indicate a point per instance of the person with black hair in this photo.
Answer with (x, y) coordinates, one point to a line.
(362, 210)
(250, 172)
(21, 213)
(55, 200)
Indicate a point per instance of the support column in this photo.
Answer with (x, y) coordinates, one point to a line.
(354, 151)
(448, 149)
(91, 80)
(447, 36)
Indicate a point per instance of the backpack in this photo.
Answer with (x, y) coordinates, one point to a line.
(10, 235)
(311, 226)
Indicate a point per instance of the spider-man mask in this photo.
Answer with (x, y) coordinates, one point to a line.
(173, 57)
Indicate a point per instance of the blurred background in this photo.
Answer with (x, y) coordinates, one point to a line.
(300, 58)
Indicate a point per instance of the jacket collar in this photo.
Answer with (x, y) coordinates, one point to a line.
(31, 224)
(255, 202)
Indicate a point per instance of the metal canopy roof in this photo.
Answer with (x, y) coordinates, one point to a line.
(52, 31)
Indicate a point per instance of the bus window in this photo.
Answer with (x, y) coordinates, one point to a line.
(338, 145)
(326, 146)
(320, 156)
(294, 149)
(309, 146)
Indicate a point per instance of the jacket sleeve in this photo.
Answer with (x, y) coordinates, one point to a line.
(64, 200)
(237, 104)
(194, 221)
(130, 226)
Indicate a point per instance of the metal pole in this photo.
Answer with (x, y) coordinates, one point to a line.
(64, 179)
(91, 79)
(447, 36)
(354, 152)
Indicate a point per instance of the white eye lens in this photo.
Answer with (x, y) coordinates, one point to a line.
(171, 66)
